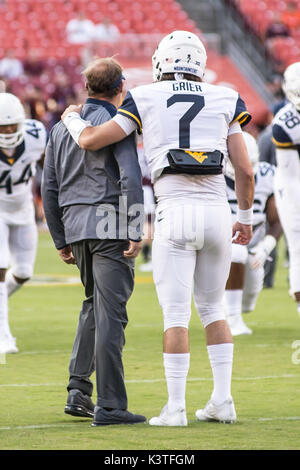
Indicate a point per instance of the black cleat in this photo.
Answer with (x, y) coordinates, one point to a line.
(79, 404)
(104, 417)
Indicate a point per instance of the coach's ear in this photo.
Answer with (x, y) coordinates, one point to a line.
(123, 91)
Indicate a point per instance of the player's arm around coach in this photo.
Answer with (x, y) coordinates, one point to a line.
(96, 137)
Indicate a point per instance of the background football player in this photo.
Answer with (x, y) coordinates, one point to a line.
(286, 137)
(247, 264)
(22, 143)
(149, 208)
(191, 250)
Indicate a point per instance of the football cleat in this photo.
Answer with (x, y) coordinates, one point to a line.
(8, 345)
(176, 418)
(146, 267)
(224, 413)
(238, 326)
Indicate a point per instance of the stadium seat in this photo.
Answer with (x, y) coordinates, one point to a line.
(259, 15)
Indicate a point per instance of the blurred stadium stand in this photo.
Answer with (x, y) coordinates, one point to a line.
(233, 31)
(261, 14)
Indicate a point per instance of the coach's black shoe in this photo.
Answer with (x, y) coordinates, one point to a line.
(79, 404)
(104, 417)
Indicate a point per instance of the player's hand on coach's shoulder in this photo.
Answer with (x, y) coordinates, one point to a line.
(133, 249)
(241, 233)
(67, 255)
(73, 108)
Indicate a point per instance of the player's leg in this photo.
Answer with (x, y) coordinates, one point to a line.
(234, 291)
(211, 273)
(7, 342)
(254, 279)
(149, 207)
(173, 270)
(23, 245)
(287, 197)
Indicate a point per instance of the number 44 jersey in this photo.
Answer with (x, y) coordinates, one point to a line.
(16, 171)
(182, 114)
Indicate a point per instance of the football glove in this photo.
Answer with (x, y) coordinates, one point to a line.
(259, 254)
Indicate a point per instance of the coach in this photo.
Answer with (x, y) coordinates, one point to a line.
(85, 198)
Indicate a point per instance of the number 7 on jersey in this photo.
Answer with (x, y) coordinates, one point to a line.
(186, 119)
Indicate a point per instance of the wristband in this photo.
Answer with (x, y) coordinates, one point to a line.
(75, 125)
(245, 216)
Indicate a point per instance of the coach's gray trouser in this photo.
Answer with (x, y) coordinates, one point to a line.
(108, 279)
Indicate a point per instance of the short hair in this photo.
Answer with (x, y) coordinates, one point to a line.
(103, 77)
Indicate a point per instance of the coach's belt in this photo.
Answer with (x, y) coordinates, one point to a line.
(197, 163)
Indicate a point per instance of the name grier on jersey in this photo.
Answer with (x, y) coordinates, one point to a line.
(186, 86)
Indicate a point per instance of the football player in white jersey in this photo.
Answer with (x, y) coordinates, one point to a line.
(286, 137)
(188, 127)
(22, 143)
(247, 264)
(149, 209)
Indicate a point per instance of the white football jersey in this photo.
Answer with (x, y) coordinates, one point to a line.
(264, 189)
(182, 115)
(16, 173)
(286, 127)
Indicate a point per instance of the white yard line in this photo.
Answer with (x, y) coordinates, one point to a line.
(142, 381)
(36, 426)
(280, 418)
(54, 280)
(74, 424)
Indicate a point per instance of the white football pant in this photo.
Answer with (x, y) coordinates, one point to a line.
(254, 278)
(287, 197)
(18, 248)
(191, 254)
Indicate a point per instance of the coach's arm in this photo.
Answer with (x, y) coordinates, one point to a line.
(52, 210)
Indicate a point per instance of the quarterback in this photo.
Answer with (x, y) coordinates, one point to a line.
(247, 264)
(188, 128)
(286, 137)
(22, 143)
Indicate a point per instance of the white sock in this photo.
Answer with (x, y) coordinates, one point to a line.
(233, 299)
(298, 307)
(176, 370)
(221, 358)
(4, 326)
(11, 283)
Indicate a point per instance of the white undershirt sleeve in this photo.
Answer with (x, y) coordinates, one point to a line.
(126, 124)
(235, 128)
(75, 125)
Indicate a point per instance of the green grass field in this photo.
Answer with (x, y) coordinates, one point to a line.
(43, 317)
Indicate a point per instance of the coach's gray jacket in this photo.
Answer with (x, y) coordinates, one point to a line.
(81, 189)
